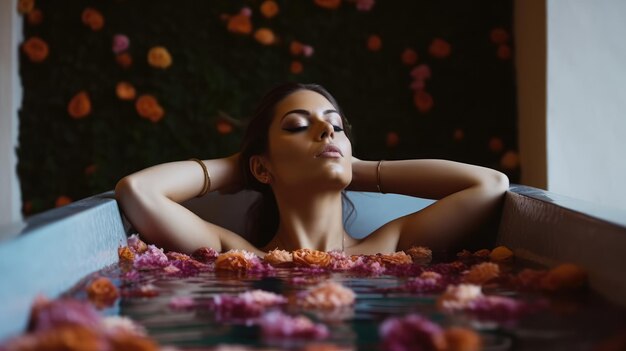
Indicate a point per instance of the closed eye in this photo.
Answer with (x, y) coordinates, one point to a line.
(337, 129)
(296, 129)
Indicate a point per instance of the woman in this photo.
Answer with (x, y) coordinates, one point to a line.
(298, 154)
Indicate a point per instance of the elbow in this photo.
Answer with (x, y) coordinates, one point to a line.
(125, 189)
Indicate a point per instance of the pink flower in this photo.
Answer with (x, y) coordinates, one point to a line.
(46, 314)
(181, 302)
(115, 325)
(244, 306)
(136, 245)
(279, 325)
(307, 50)
(120, 43)
(246, 11)
(151, 259)
(205, 254)
(327, 295)
(365, 5)
(412, 332)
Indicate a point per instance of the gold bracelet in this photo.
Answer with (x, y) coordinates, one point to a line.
(207, 179)
(380, 163)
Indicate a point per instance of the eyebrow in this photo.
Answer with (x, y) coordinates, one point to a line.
(307, 113)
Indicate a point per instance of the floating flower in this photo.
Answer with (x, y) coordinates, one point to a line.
(439, 48)
(35, 17)
(93, 19)
(392, 139)
(277, 325)
(80, 105)
(25, 6)
(411, 332)
(499, 36)
(152, 258)
(296, 67)
(368, 267)
(340, 261)
(408, 57)
(510, 160)
(504, 52)
(423, 101)
(462, 339)
(159, 57)
(327, 295)
(130, 341)
(564, 277)
(420, 254)
(501, 308)
(328, 4)
(102, 292)
(177, 256)
(62, 201)
(235, 260)
(529, 279)
(46, 315)
(374, 43)
(181, 303)
(148, 107)
(245, 305)
(125, 91)
(269, 8)
(311, 258)
(35, 49)
(482, 273)
(120, 43)
(240, 23)
(136, 244)
(501, 254)
(458, 297)
(278, 257)
(365, 5)
(265, 36)
(115, 325)
(396, 258)
(205, 254)
(125, 254)
(124, 60)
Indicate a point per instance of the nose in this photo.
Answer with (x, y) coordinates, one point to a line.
(328, 131)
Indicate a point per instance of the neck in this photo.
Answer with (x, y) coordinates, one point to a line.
(310, 220)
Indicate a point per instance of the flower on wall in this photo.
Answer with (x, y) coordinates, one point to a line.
(79, 106)
(62, 201)
(93, 19)
(148, 107)
(25, 6)
(265, 36)
(35, 49)
(297, 48)
(296, 67)
(408, 57)
(269, 8)
(439, 48)
(124, 60)
(120, 43)
(159, 57)
(365, 5)
(34, 17)
(500, 37)
(423, 101)
(328, 4)
(240, 23)
(125, 91)
(374, 43)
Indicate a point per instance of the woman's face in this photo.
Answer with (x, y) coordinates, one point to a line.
(307, 145)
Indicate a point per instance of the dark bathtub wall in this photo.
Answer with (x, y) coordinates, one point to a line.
(80, 132)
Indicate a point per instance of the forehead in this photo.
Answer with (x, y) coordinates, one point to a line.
(303, 100)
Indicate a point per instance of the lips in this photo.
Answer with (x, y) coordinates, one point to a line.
(330, 151)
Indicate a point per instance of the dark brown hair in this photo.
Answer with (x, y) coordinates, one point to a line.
(263, 216)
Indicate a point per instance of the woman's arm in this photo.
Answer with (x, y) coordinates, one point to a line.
(151, 200)
(467, 197)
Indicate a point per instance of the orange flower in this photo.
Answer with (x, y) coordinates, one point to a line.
(423, 101)
(125, 91)
(62, 201)
(328, 4)
(35, 17)
(482, 273)
(265, 36)
(159, 57)
(396, 258)
(501, 254)
(125, 254)
(25, 6)
(223, 127)
(439, 48)
(510, 160)
(327, 295)
(148, 107)
(124, 60)
(93, 19)
(67, 337)
(233, 260)
(420, 254)
(296, 67)
(564, 277)
(314, 258)
(277, 257)
(458, 338)
(499, 36)
(374, 43)
(36, 49)
(504, 52)
(409, 57)
(102, 292)
(240, 24)
(80, 105)
(269, 8)
(496, 145)
(296, 48)
(131, 341)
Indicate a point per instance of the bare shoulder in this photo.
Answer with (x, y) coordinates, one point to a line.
(382, 240)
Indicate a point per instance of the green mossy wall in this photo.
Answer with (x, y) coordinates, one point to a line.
(472, 117)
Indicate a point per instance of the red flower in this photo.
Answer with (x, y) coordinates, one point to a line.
(439, 48)
(374, 43)
(423, 101)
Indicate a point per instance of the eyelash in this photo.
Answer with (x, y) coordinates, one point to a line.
(299, 129)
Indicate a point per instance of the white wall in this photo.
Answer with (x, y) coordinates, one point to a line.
(586, 125)
(10, 100)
